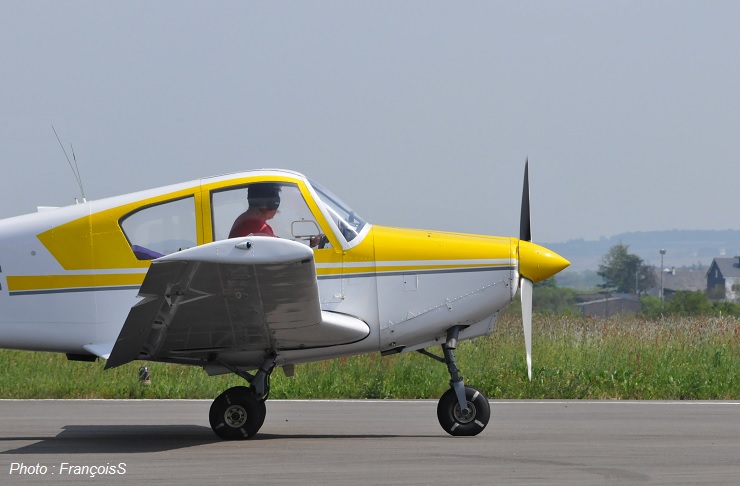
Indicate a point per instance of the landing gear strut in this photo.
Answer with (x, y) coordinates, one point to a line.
(239, 412)
(462, 410)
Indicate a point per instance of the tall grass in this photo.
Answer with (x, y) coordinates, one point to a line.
(574, 357)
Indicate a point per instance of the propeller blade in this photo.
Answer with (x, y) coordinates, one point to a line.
(525, 233)
(525, 227)
(526, 296)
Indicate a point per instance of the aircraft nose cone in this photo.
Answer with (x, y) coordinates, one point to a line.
(536, 263)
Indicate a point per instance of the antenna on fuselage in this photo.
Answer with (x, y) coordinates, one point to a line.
(75, 169)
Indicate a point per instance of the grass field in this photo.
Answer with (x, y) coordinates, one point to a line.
(620, 358)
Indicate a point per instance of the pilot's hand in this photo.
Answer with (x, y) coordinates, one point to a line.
(318, 240)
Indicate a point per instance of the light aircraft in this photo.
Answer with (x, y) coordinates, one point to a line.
(155, 276)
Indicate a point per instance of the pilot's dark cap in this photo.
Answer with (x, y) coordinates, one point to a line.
(264, 195)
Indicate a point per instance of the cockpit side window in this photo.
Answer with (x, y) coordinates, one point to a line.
(292, 220)
(161, 229)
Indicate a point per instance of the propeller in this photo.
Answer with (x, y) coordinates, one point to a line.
(536, 263)
(526, 285)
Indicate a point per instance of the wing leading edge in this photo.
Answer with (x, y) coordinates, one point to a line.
(243, 295)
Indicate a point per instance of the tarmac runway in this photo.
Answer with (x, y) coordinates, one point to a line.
(370, 442)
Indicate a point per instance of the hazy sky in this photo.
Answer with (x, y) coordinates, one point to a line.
(417, 114)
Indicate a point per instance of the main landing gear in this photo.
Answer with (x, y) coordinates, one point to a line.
(239, 412)
(462, 410)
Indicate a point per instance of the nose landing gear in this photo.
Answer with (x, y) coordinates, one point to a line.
(462, 410)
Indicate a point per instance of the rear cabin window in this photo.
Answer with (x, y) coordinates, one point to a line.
(159, 230)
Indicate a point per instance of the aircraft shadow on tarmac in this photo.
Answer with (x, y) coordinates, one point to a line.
(113, 439)
(87, 439)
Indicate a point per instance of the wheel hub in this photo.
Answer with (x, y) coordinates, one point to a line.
(235, 416)
(464, 417)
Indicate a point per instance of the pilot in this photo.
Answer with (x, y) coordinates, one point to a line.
(264, 200)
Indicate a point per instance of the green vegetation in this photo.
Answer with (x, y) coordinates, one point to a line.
(686, 303)
(574, 357)
(551, 299)
(584, 280)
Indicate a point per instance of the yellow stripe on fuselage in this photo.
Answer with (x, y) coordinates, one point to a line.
(49, 283)
(407, 267)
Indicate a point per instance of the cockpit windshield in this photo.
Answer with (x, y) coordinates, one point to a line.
(348, 222)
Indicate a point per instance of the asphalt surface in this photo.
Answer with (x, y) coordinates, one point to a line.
(371, 442)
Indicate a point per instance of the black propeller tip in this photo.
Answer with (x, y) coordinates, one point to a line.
(525, 227)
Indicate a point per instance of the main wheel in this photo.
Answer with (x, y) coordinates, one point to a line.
(454, 421)
(237, 414)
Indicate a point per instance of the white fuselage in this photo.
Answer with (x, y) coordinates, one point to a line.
(409, 286)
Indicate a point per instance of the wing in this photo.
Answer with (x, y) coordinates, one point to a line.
(239, 296)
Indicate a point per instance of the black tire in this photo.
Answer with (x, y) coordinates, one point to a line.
(237, 414)
(454, 422)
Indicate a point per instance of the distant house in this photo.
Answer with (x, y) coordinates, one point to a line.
(723, 278)
(609, 305)
(678, 279)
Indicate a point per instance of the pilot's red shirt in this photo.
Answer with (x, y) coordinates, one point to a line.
(249, 226)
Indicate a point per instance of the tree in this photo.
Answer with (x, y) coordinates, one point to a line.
(652, 307)
(688, 303)
(548, 297)
(625, 272)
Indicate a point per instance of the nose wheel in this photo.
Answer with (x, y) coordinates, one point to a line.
(467, 421)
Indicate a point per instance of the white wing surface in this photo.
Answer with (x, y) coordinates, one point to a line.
(244, 295)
